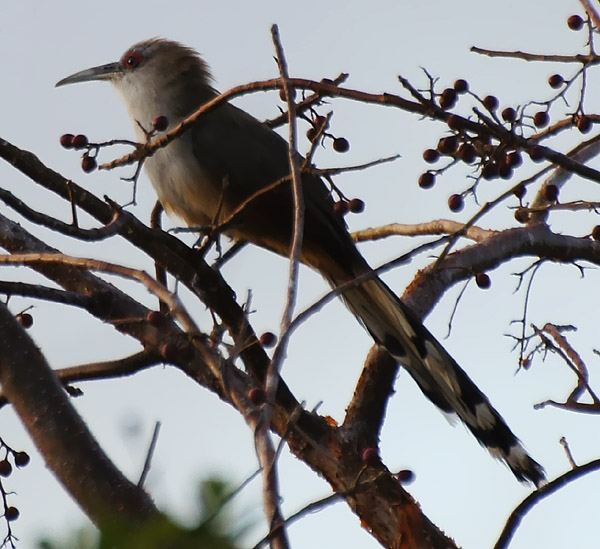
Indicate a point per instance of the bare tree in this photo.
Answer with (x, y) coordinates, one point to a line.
(231, 360)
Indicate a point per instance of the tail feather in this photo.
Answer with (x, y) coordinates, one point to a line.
(397, 328)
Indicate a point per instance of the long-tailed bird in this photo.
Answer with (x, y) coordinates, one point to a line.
(209, 171)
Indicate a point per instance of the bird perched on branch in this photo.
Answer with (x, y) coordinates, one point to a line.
(224, 159)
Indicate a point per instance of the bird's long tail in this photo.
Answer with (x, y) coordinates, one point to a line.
(397, 328)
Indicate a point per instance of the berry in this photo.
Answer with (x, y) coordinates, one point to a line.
(505, 171)
(430, 155)
(461, 86)
(405, 476)
(584, 123)
(156, 319)
(575, 22)
(509, 114)
(522, 215)
(490, 102)
(5, 468)
(448, 145)
(11, 513)
(519, 191)
(536, 153)
(356, 205)
(268, 339)
(541, 119)
(483, 281)
(88, 164)
(25, 319)
(340, 144)
(596, 232)
(319, 121)
(80, 141)
(21, 459)
(160, 123)
(448, 98)
(466, 152)
(489, 170)
(169, 352)
(556, 81)
(513, 159)
(426, 180)
(454, 122)
(551, 193)
(66, 140)
(341, 207)
(311, 133)
(370, 456)
(456, 203)
(282, 94)
(257, 396)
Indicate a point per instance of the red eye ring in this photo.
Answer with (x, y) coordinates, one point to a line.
(132, 59)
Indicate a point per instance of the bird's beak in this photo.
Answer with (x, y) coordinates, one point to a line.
(103, 72)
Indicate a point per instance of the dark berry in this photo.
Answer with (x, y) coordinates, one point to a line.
(522, 215)
(5, 468)
(541, 119)
(341, 144)
(282, 94)
(575, 22)
(405, 476)
(490, 102)
(448, 145)
(461, 86)
(11, 513)
(509, 114)
(448, 98)
(426, 180)
(25, 319)
(319, 121)
(311, 133)
(88, 164)
(79, 141)
(356, 205)
(341, 207)
(169, 352)
(513, 159)
(584, 123)
(483, 281)
(454, 122)
(551, 193)
(370, 456)
(456, 203)
(536, 153)
(596, 232)
(430, 155)
(268, 339)
(520, 190)
(505, 171)
(556, 81)
(66, 140)
(257, 396)
(21, 459)
(156, 319)
(489, 170)
(160, 123)
(466, 152)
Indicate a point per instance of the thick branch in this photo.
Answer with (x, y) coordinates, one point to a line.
(69, 449)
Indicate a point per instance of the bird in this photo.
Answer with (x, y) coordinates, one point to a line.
(204, 176)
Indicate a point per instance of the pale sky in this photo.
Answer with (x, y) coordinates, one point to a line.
(459, 486)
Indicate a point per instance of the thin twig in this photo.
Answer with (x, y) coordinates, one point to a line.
(149, 454)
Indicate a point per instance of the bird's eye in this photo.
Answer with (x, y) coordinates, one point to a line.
(133, 59)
